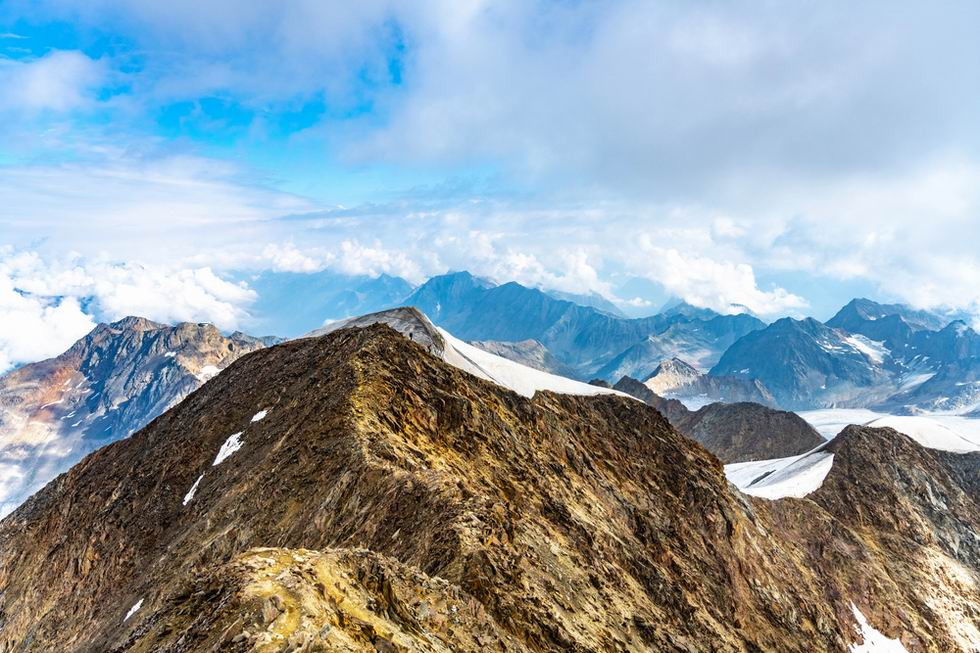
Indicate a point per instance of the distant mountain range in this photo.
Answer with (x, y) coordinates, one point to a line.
(887, 356)
(590, 341)
(868, 355)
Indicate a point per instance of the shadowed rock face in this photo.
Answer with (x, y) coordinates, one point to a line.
(736, 432)
(107, 385)
(746, 431)
(672, 409)
(386, 501)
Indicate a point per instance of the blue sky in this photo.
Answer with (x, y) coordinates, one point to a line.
(782, 156)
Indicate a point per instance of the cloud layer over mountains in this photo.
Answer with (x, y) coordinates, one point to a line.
(779, 157)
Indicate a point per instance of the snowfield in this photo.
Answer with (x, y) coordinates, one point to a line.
(522, 380)
(796, 476)
(945, 432)
(873, 350)
(830, 421)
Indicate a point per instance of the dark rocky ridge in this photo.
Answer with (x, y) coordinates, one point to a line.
(745, 431)
(734, 432)
(414, 507)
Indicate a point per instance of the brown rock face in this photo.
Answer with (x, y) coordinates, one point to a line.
(390, 502)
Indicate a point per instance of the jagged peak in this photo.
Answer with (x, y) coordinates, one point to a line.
(135, 323)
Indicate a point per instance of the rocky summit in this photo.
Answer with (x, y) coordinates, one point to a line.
(353, 492)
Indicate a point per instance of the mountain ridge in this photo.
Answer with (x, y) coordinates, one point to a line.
(570, 522)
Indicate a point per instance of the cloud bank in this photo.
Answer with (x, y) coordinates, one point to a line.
(769, 155)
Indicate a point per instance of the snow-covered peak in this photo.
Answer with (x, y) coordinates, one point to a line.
(506, 373)
(670, 374)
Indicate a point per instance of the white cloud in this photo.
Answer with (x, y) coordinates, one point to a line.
(724, 287)
(358, 259)
(36, 327)
(59, 81)
(740, 141)
(287, 258)
(184, 295)
(41, 302)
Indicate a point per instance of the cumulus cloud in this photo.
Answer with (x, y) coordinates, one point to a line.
(724, 287)
(46, 305)
(59, 81)
(37, 327)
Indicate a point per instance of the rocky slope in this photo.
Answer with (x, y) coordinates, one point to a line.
(701, 341)
(738, 432)
(106, 386)
(887, 357)
(858, 316)
(804, 363)
(354, 492)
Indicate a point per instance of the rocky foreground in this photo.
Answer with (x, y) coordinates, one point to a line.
(352, 492)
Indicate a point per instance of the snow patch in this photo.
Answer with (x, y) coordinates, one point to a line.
(231, 445)
(190, 493)
(874, 641)
(873, 350)
(133, 610)
(207, 373)
(796, 476)
(259, 415)
(170, 354)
